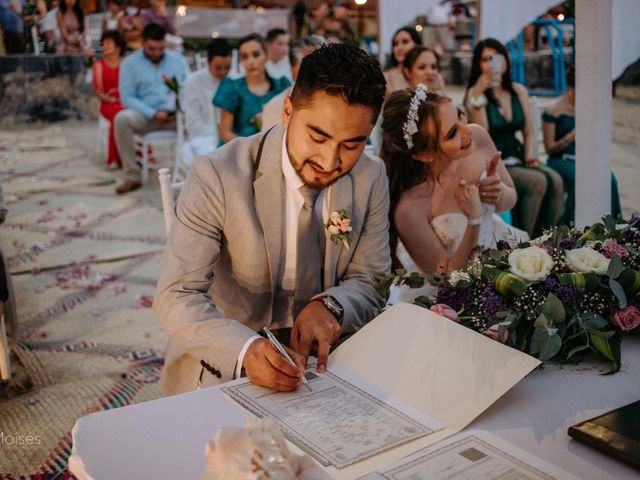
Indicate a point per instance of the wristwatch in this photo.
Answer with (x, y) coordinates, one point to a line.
(334, 307)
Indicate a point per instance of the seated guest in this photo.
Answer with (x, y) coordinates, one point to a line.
(200, 116)
(422, 65)
(502, 107)
(247, 247)
(446, 182)
(278, 53)
(105, 83)
(160, 15)
(130, 27)
(115, 12)
(70, 18)
(12, 25)
(403, 40)
(145, 97)
(242, 99)
(272, 113)
(558, 130)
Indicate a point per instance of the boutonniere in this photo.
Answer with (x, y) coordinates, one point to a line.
(339, 227)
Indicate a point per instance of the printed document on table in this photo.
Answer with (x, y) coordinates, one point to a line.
(333, 420)
(469, 456)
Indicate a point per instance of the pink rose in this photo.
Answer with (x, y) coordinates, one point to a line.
(334, 230)
(335, 218)
(610, 246)
(445, 311)
(345, 225)
(626, 319)
(492, 333)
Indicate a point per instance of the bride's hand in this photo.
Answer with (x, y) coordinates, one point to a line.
(468, 198)
(491, 186)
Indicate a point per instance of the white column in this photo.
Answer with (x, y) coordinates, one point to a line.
(593, 109)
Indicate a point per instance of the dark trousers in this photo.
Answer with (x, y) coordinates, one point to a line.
(14, 42)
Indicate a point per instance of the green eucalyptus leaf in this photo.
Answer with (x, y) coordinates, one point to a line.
(609, 223)
(423, 301)
(607, 344)
(577, 349)
(615, 266)
(541, 321)
(618, 291)
(553, 310)
(592, 321)
(545, 343)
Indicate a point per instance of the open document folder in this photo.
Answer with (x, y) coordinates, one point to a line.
(445, 370)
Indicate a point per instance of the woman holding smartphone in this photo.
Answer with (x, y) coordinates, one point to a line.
(502, 107)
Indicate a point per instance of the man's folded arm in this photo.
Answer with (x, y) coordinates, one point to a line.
(186, 311)
(356, 290)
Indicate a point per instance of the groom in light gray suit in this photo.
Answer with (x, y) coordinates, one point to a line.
(251, 247)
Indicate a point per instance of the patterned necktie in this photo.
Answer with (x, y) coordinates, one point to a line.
(308, 257)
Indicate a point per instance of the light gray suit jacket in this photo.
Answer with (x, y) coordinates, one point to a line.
(218, 282)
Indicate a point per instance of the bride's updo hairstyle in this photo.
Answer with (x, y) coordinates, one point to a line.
(397, 152)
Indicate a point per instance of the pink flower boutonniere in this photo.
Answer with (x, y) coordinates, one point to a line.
(339, 227)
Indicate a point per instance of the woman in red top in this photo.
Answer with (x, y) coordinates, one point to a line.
(105, 84)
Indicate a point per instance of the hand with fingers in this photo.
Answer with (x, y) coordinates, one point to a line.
(491, 186)
(315, 328)
(266, 367)
(468, 198)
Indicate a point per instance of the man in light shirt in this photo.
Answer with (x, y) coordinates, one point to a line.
(278, 52)
(50, 27)
(200, 115)
(250, 246)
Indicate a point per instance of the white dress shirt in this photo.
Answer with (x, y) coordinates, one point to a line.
(279, 69)
(283, 304)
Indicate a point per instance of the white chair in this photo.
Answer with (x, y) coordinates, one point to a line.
(38, 46)
(167, 189)
(170, 139)
(201, 61)
(102, 141)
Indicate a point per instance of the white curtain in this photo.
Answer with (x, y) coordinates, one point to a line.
(394, 14)
(504, 19)
(626, 35)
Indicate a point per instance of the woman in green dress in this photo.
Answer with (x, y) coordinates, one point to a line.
(502, 107)
(241, 99)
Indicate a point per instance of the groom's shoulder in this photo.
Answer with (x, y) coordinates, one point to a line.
(369, 166)
(234, 159)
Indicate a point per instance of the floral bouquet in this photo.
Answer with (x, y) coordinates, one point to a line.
(173, 85)
(555, 297)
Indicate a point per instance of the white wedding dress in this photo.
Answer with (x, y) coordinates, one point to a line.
(450, 229)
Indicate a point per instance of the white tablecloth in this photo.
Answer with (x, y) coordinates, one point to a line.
(164, 439)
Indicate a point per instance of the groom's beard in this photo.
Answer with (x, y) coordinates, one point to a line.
(312, 182)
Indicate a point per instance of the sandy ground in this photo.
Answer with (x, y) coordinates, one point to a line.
(625, 154)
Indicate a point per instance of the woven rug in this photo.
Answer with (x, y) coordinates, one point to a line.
(84, 266)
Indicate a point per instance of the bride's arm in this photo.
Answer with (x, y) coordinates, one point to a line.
(424, 246)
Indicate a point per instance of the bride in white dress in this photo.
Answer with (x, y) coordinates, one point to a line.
(446, 182)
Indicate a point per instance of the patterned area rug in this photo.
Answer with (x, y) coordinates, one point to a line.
(84, 264)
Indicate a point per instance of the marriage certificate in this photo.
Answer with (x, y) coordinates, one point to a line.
(333, 420)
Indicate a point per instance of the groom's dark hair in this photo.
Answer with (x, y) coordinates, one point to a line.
(340, 69)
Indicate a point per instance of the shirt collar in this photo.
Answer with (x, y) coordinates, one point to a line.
(291, 178)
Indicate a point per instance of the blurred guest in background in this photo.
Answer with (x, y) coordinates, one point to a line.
(278, 53)
(49, 27)
(200, 115)
(70, 18)
(160, 15)
(440, 20)
(115, 12)
(130, 27)
(146, 98)
(105, 83)
(242, 99)
(558, 129)
(502, 107)
(12, 25)
(403, 40)
(422, 66)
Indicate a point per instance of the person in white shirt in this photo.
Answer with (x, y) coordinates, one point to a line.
(438, 33)
(49, 27)
(278, 64)
(200, 115)
(272, 111)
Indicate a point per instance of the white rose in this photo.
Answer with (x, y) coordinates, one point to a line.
(585, 260)
(531, 263)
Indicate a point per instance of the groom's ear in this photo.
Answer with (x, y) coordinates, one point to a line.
(287, 110)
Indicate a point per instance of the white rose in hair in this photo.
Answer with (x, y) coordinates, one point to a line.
(531, 263)
(584, 260)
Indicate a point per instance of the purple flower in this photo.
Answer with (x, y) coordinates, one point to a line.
(567, 294)
(567, 243)
(492, 303)
(452, 296)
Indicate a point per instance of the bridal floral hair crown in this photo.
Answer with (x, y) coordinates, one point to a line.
(410, 127)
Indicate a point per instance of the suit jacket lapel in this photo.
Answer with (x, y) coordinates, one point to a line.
(269, 199)
(340, 197)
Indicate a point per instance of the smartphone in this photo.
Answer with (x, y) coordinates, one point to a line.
(496, 65)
